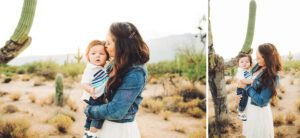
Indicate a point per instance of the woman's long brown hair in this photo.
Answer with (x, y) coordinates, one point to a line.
(273, 65)
(130, 50)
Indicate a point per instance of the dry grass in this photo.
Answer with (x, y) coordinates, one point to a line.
(10, 109)
(166, 115)
(198, 134)
(15, 96)
(281, 132)
(278, 119)
(298, 127)
(196, 112)
(62, 123)
(66, 112)
(14, 128)
(298, 105)
(38, 82)
(281, 88)
(154, 106)
(48, 100)
(179, 128)
(32, 98)
(2, 93)
(25, 77)
(72, 105)
(36, 134)
(290, 117)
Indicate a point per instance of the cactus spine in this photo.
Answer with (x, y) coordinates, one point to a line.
(20, 39)
(59, 90)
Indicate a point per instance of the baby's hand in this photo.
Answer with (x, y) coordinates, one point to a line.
(92, 92)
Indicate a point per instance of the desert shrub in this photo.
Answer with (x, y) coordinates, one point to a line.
(46, 69)
(290, 118)
(289, 65)
(26, 77)
(166, 115)
(15, 96)
(62, 123)
(10, 109)
(32, 98)
(201, 133)
(72, 69)
(14, 128)
(179, 128)
(196, 112)
(72, 105)
(62, 111)
(298, 105)
(278, 119)
(281, 132)
(154, 106)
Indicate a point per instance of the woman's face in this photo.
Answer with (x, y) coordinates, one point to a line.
(110, 45)
(260, 59)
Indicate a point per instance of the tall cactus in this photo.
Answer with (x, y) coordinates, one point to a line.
(59, 87)
(217, 66)
(249, 36)
(250, 29)
(78, 57)
(20, 39)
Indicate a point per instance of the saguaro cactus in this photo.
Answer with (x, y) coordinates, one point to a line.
(20, 39)
(79, 56)
(217, 66)
(249, 36)
(59, 87)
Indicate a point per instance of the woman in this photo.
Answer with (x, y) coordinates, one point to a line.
(259, 122)
(126, 83)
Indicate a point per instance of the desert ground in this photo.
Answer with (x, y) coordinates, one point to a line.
(31, 98)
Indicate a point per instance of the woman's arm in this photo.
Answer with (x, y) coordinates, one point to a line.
(126, 94)
(261, 97)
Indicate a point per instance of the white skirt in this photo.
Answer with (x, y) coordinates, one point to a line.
(119, 130)
(259, 122)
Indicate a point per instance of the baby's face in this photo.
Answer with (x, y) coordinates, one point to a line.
(244, 63)
(97, 55)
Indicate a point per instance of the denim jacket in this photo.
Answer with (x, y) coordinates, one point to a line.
(125, 103)
(263, 97)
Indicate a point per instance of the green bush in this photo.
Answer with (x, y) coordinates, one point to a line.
(46, 69)
(189, 63)
(294, 64)
(72, 69)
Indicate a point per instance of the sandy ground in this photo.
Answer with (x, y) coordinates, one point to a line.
(286, 104)
(150, 125)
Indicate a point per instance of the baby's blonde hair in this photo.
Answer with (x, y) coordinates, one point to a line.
(94, 43)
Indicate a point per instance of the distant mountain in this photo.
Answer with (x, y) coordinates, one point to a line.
(161, 49)
(165, 48)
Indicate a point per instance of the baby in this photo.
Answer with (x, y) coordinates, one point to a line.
(243, 76)
(93, 82)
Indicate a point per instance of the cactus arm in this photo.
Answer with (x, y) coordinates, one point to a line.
(20, 39)
(250, 29)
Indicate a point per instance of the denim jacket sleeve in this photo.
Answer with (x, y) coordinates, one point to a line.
(133, 84)
(263, 97)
